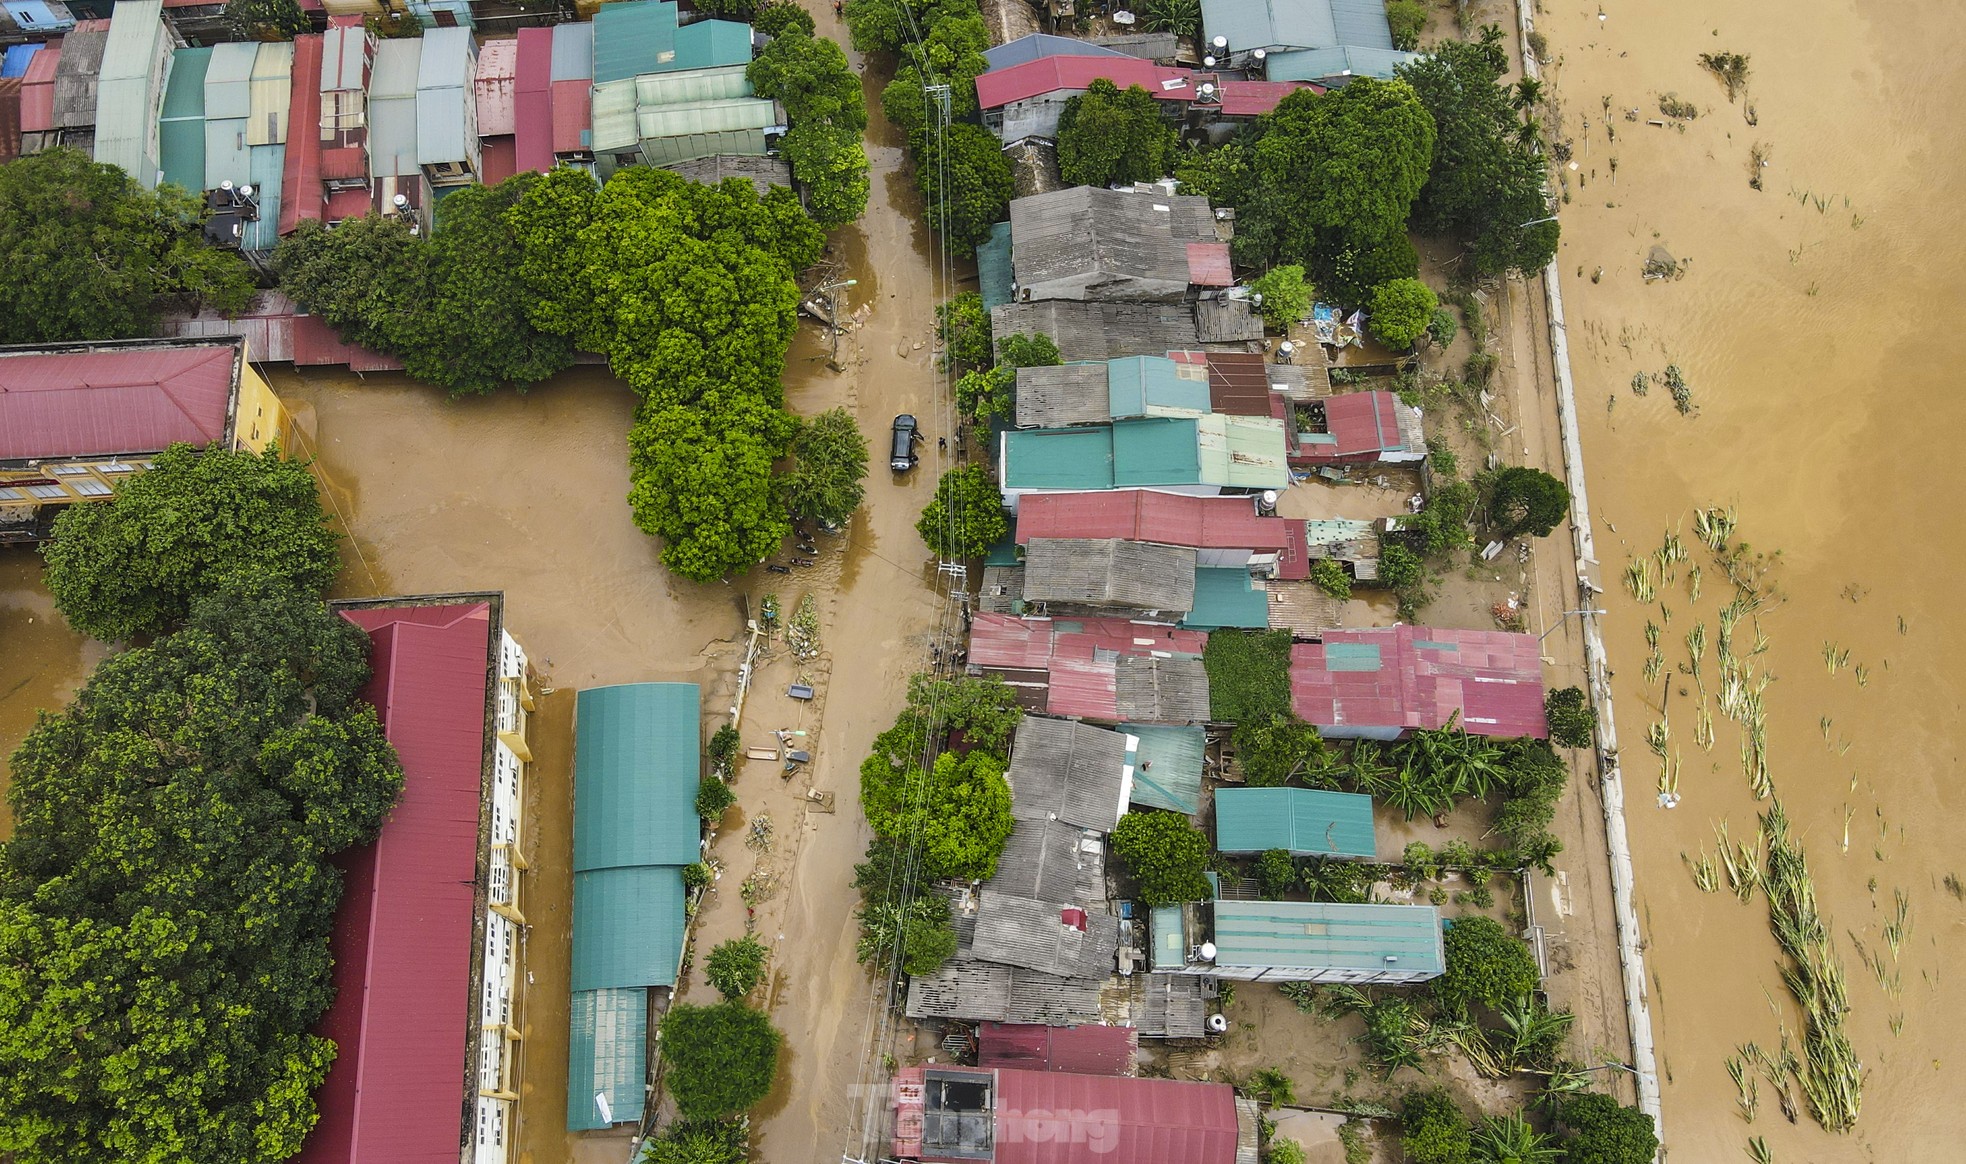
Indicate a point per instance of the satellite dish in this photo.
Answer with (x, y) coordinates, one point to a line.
(1208, 951)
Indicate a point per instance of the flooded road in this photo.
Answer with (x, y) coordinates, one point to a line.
(1811, 327)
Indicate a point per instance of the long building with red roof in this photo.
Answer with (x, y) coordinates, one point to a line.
(429, 980)
(1379, 683)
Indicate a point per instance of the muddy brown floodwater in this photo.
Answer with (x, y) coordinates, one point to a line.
(1810, 324)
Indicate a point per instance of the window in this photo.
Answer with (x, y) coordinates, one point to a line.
(12, 495)
(92, 488)
(47, 492)
(120, 467)
(70, 470)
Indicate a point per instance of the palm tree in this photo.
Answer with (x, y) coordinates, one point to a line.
(1508, 1140)
(1530, 1035)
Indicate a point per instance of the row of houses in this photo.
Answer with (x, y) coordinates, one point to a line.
(337, 124)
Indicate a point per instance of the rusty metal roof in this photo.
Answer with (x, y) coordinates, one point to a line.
(1093, 1049)
(81, 400)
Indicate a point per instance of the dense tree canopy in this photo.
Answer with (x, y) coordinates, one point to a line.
(966, 184)
(138, 561)
(965, 330)
(721, 1058)
(701, 480)
(1522, 500)
(1286, 295)
(92, 255)
(1166, 854)
(1484, 964)
(166, 899)
(1432, 1129)
(1400, 311)
(1274, 750)
(987, 395)
(1603, 1131)
(829, 468)
(1108, 137)
(958, 814)
(780, 17)
(1488, 180)
(734, 967)
(966, 517)
(821, 94)
(832, 165)
(265, 19)
(701, 1141)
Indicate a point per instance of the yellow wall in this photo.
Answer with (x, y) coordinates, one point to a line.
(261, 418)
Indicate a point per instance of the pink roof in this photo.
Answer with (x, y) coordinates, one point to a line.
(302, 180)
(499, 159)
(1074, 655)
(1406, 677)
(498, 86)
(1087, 688)
(403, 945)
(1216, 523)
(1255, 98)
(108, 400)
(1000, 87)
(1294, 563)
(37, 91)
(1140, 1121)
(1208, 265)
(1086, 1050)
(316, 344)
(573, 113)
(532, 116)
(1365, 425)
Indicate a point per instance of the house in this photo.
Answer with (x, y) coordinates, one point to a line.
(1069, 941)
(1092, 1049)
(1074, 772)
(1198, 456)
(1098, 330)
(76, 78)
(496, 94)
(348, 54)
(136, 62)
(570, 82)
(1097, 669)
(1011, 1116)
(39, 15)
(1108, 576)
(1308, 822)
(1320, 941)
(429, 961)
(665, 93)
(1039, 45)
(1115, 246)
(447, 108)
(1027, 98)
(975, 991)
(1357, 428)
(397, 181)
(532, 100)
(77, 418)
(1048, 859)
(637, 757)
(1121, 389)
(1304, 40)
(1224, 531)
(1380, 683)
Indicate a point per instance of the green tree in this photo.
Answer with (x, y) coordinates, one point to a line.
(958, 814)
(735, 967)
(829, 468)
(137, 562)
(94, 256)
(1485, 964)
(1350, 267)
(1286, 296)
(984, 709)
(1277, 873)
(1248, 675)
(988, 394)
(1330, 576)
(701, 1141)
(1273, 750)
(1400, 312)
(784, 18)
(166, 898)
(810, 77)
(368, 278)
(1432, 1129)
(966, 516)
(950, 53)
(965, 330)
(965, 183)
(1166, 854)
(1028, 351)
(918, 927)
(927, 944)
(702, 482)
(1109, 137)
(721, 1058)
(882, 26)
(713, 798)
(832, 165)
(1600, 1130)
(1406, 19)
(269, 20)
(1522, 500)
(1487, 183)
(1573, 721)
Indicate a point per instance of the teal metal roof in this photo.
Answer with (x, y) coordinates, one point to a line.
(1269, 24)
(1307, 821)
(637, 758)
(993, 277)
(627, 927)
(1169, 938)
(635, 37)
(1156, 451)
(1004, 553)
(710, 44)
(1168, 774)
(1352, 657)
(1242, 452)
(1322, 935)
(266, 166)
(1155, 386)
(607, 1054)
(1335, 64)
(1059, 458)
(181, 129)
(1224, 596)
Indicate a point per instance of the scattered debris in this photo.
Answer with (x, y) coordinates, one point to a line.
(1730, 68)
(1673, 107)
(1660, 264)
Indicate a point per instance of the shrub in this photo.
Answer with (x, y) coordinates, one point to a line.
(1399, 567)
(1286, 1152)
(1271, 751)
(1432, 1129)
(1443, 327)
(1277, 872)
(926, 943)
(1573, 721)
(1407, 19)
(1400, 311)
(1330, 576)
(1603, 1131)
(1286, 296)
(735, 967)
(966, 516)
(1166, 853)
(697, 875)
(713, 798)
(1108, 136)
(782, 17)
(721, 1058)
(702, 1141)
(1248, 674)
(1485, 964)
(722, 749)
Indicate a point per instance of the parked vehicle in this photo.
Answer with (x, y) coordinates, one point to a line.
(901, 455)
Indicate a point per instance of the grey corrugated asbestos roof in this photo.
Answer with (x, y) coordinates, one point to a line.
(1020, 931)
(1100, 331)
(1061, 395)
(1141, 576)
(1072, 771)
(1153, 690)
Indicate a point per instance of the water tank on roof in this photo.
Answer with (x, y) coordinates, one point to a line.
(1207, 951)
(1218, 1023)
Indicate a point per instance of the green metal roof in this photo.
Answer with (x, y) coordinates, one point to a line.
(1335, 64)
(1059, 458)
(608, 1054)
(738, 115)
(1242, 452)
(1168, 774)
(636, 37)
(1352, 657)
(627, 927)
(1170, 940)
(993, 276)
(1224, 596)
(1322, 935)
(1308, 821)
(636, 761)
(1156, 451)
(692, 86)
(181, 128)
(1156, 386)
(709, 44)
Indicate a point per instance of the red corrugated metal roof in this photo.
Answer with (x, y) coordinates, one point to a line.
(1085, 688)
(1003, 640)
(316, 344)
(497, 86)
(1085, 1050)
(1294, 563)
(344, 162)
(37, 92)
(403, 942)
(573, 103)
(532, 115)
(302, 198)
(1046, 1117)
(114, 400)
(1222, 523)
(1000, 87)
(10, 88)
(351, 202)
(498, 159)
(1424, 676)
(1365, 427)
(1208, 265)
(1255, 98)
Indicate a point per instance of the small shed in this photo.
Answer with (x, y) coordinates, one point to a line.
(1321, 941)
(1308, 822)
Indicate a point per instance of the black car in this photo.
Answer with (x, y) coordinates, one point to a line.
(901, 456)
